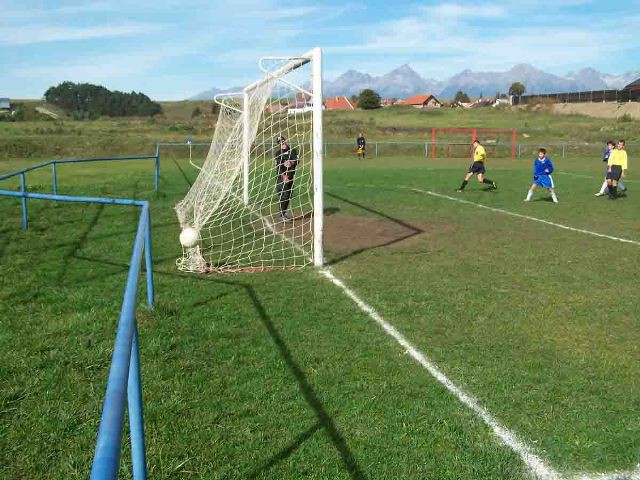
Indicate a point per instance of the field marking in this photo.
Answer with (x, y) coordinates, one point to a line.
(579, 175)
(535, 464)
(526, 217)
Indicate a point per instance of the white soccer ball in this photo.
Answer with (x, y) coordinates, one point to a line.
(189, 237)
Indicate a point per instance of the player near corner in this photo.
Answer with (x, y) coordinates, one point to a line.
(617, 167)
(477, 167)
(542, 170)
(286, 160)
(361, 146)
(611, 145)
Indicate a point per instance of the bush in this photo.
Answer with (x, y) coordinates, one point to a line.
(625, 118)
(368, 99)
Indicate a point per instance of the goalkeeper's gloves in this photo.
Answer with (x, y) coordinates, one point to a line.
(535, 177)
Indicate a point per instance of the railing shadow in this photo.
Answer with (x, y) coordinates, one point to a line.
(324, 421)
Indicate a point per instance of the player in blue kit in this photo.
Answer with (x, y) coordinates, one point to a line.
(542, 169)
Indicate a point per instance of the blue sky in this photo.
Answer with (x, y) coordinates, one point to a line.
(172, 49)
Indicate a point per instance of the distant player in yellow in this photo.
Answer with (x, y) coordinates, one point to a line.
(361, 146)
(616, 169)
(477, 167)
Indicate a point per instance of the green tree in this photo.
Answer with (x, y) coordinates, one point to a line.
(87, 101)
(368, 99)
(517, 89)
(461, 97)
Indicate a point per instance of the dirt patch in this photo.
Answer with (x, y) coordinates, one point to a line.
(343, 232)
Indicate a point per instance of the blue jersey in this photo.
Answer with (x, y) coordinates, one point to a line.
(542, 166)
(606, 155)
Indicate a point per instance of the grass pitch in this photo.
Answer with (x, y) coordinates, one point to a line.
(280, 375)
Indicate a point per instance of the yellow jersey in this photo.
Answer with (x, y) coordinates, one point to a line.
(618, 157)
(479, 155)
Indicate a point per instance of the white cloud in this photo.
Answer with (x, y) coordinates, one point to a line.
(456, 10)
(27, 35)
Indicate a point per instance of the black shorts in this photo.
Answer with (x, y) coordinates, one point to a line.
(615, 173)
(476, 167)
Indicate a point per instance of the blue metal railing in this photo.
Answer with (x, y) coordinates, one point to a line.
(124, 381)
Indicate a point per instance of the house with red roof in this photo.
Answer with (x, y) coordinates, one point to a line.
(423, 101)
(339, 103)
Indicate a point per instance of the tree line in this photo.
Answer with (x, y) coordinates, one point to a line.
(87, 101)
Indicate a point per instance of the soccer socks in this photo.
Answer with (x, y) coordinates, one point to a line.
(529, 196)
(464, 184)
(554, 197)
(613, 192)
(603, 188)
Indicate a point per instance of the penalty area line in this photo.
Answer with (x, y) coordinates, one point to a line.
(537, 467)
(534, 463)
(526, 217)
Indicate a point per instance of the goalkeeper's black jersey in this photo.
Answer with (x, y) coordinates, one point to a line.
(282, 156)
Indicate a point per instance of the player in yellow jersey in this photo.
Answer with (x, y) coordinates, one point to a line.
(617, 168)
(477, 167)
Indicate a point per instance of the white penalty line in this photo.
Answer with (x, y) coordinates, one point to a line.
(534, 463)
(537, 467)
(526, 217)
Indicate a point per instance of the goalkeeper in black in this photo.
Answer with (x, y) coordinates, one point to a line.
(286, 159)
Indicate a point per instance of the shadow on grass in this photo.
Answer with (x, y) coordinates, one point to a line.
(412, 230)
(324, 421)
(184, 175)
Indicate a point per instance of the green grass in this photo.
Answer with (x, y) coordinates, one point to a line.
(122, 136)
(279, 375)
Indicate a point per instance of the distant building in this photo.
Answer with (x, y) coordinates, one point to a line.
(388, 102)
(302, 103)
(5, 105)
(339, 103)
(633, 88)
(423, 101)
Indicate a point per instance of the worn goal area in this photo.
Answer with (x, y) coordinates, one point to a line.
(456, 142)
(257, 201)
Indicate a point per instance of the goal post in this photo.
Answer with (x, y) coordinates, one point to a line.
(502, 140)
(257, 202)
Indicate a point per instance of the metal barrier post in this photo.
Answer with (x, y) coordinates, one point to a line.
(136, 420)
(148, 260)
(54, 178)
(564, 150)
(157, 173)
(23, 189)
(376, 149)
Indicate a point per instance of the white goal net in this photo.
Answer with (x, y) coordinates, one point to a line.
(257, 201)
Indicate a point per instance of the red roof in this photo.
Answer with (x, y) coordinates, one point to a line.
(338, 103)
(419, 99)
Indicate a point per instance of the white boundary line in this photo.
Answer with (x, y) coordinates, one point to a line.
(534, 463)
(539, 469)
(526, 217)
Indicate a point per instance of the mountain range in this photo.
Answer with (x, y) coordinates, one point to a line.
(404, 81)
